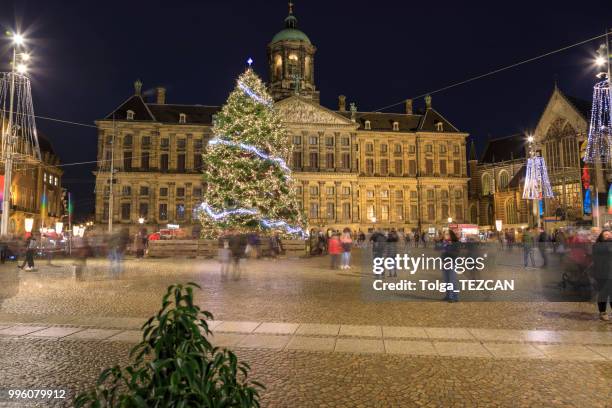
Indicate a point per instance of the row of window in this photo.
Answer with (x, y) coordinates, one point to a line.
(126, 191)
(399, 194)
(164, 161)
(130, 114)
(381, 213)
(345, 163)
(50, 179)
(369, 147)
(143, 211)
(487, 186)
(164, 142)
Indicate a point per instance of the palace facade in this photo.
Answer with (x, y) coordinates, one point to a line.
(358, 169)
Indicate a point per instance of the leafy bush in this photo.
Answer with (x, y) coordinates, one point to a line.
(175, 365)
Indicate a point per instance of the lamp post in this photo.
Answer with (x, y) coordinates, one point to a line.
(18, 66)
(598, 145)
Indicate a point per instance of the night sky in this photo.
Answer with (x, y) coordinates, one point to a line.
(88, 54)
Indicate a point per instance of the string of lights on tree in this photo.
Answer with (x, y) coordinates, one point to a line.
(537, 184)
(599, 140)
(21, 142)
(248, 183)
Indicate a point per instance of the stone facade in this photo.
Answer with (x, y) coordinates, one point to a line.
(497, 178)
(357, 169)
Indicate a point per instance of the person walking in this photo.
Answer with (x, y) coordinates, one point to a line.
(528, 247)
(139, 245)
(543, 246)
(347, 244)
(334, 249)
(450, 249)
(602, 272)
(224, 254)
(237, 247)
(30, 249)
(117, 245)
(276, 246)
(391, 249)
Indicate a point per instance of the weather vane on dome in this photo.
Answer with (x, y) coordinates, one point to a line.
(290, 7)
(250, 61)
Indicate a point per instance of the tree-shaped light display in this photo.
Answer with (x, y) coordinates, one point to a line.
(600, 137)
(248, 183)
(537, 183)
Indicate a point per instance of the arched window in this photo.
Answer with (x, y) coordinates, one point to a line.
(504, 179)
(182, 118)
(292, 67)
(130, 115)
(278, 66)
(511, 215)
(368, 125)
(486, 185)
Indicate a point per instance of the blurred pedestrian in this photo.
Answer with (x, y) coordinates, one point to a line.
(347, 243)
(335, 250)
(276, 246)
(139, 244)
(450, 249)
(543, 246)
(528, 247)
(117, 244)
(30, 250)
(602, 272)
(237, 247)
(391, 249)
(224, 254)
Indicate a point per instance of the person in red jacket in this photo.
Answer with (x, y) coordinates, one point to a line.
(334, 248)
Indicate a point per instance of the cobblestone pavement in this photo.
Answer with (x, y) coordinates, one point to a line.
(311, 379)
(284, 290)
(353, 372)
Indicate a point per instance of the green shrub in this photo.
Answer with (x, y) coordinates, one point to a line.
(175, 365)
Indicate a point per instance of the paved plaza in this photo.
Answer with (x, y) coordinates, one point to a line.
(310, 336)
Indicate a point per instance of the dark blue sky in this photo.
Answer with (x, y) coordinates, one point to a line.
(375, 52)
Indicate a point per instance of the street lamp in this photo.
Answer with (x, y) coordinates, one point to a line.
(141, 220)
(22, 69)
(18, 39)
(450, 220)
(29, 223)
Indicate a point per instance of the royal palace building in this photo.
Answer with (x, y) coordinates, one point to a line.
(358, 169)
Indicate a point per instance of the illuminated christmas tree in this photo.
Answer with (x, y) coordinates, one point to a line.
(248, 184)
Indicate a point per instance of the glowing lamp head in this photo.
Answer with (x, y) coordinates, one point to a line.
(18, 39)
(29, 223)
(530, 139)
(141, 220)
(22, 68)
(600, 61)
(450, 220)
(25, 57)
